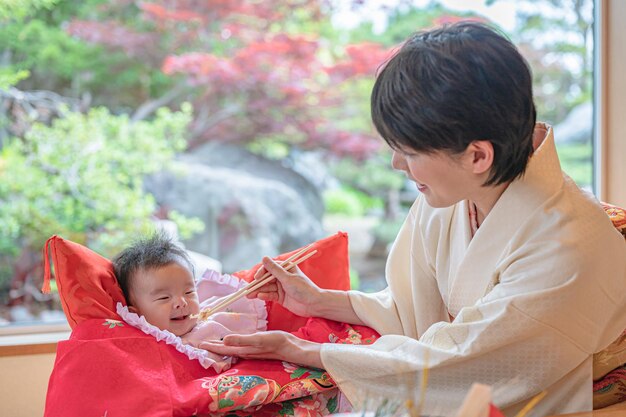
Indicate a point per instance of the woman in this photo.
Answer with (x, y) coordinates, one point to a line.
(504, 272)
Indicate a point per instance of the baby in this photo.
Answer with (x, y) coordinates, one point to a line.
(156, 277)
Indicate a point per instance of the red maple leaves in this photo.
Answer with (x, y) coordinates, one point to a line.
(254, 75)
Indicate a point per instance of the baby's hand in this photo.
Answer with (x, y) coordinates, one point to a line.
(186, 340)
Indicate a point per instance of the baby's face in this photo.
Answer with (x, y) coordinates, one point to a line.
(166, 297)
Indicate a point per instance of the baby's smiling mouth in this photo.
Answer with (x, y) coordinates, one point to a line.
(180, 318)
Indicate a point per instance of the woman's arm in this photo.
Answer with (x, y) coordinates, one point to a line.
(269, 345)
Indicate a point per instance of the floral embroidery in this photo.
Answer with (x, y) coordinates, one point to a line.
(112, 323)
(310, 407)
(354, 338)
(296, 371)
(235, 392)
(289, 367)
(617, 215)
(317, 405)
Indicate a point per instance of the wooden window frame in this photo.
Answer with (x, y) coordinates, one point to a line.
(610, 101)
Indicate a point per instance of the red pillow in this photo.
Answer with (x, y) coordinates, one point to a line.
(86, 281)
(88, 288)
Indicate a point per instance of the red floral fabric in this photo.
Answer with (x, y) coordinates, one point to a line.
(617, 216)
(108, 368)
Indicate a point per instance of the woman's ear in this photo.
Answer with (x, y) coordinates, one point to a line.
(480, 154)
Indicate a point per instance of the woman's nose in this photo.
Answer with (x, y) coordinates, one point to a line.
(397, 161)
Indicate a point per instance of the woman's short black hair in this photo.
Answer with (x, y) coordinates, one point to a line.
(450, 86)
(154, 251)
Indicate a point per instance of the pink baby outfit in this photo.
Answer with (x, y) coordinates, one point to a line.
(244, 316)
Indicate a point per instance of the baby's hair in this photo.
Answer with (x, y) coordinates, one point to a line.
(154, 251)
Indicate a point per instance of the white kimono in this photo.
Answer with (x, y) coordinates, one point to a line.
(537, 290)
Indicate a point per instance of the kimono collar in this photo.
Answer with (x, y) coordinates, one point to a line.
(476, 274)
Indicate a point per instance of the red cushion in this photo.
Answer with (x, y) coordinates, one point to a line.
(617, 216)
(85, 280)
(88, 288)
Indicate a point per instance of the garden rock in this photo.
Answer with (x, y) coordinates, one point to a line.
(302, 172)
(247, 215)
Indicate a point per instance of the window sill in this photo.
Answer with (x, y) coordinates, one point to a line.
(31, 340)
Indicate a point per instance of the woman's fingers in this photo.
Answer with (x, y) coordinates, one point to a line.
(259, 272)
(250, 340)
(246, 346)
(268, 296)
(239, 351)
(274, 268)
(268, 345)
(271, 266)
(272, 291)
(271, 287)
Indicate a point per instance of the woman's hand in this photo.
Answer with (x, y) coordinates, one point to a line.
(268, 345)
(293, 290)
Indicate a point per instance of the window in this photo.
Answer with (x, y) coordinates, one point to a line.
(97, 131)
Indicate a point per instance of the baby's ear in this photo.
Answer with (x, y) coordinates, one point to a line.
(133, 309)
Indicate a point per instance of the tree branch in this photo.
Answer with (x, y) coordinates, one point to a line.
(149, 107)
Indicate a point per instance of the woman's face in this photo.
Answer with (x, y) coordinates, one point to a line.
(443, 179)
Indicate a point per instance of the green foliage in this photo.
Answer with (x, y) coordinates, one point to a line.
(349, 202)
(270, 147)
(8, 77)
(555, 37)
(82, 178)
(402, 22)
(20, 9)
(387, 230)
(355, 115)
(577, 163)
(187, 226)
(373, 176)
(355, 280)
(342, 201)
(47, 50)
(14, 12)
(59, 62)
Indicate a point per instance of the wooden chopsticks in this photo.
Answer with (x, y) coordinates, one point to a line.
(287, 264)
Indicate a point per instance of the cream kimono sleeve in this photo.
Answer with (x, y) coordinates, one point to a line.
(414, 287)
